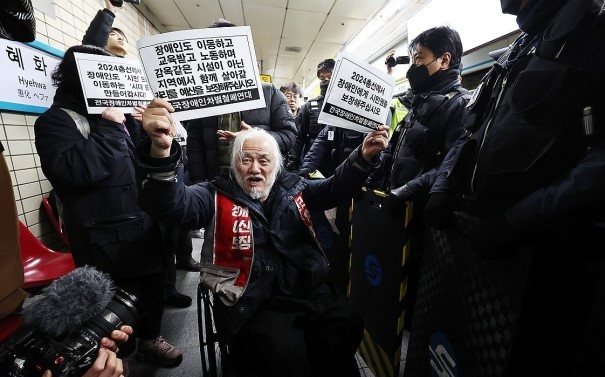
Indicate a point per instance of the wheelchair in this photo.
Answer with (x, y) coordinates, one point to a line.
(214, 353)
(215, 356)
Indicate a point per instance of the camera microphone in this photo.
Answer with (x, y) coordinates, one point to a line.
(62, 326)
(69, 301)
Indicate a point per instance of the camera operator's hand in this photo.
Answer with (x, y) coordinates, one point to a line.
(112, 8)
(117, 337)
(107, 364)
(390, 54)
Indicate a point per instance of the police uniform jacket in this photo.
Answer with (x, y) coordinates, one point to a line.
(329, 149)
(534, 147)
(308, 130)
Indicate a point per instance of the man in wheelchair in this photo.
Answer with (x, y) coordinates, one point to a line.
(273, 305)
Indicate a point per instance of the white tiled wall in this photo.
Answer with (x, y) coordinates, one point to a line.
(16, 129)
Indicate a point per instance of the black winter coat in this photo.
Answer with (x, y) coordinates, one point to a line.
(528, 152)
(202, 140)
(287, 261)
(95, 179)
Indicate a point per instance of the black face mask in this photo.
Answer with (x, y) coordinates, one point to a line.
(323, 87)
(419, 77)
(510, 6)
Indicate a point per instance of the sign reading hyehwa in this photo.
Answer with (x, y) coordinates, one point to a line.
(203, 72)
(26, 77)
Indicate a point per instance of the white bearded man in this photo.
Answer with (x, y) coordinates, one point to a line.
(275, 309)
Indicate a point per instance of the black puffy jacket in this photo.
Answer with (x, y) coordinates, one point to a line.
(420, 142)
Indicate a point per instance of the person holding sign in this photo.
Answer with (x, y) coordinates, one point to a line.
(87, 159)
(273, 306)
(101, 33)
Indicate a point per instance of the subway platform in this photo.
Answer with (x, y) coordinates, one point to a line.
(180, 328)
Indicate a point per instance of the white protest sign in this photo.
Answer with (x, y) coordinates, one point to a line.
(359, 95)
(111, 81)
(203, 72)
(25, 81)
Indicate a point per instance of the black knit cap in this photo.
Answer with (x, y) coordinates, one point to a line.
(325, 65)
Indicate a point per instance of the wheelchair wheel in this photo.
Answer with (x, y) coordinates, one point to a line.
(211, 351)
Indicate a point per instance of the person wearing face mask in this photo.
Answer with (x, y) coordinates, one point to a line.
(521, 194)
(436, 102)
(306, 119)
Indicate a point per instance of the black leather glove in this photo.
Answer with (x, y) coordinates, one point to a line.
(495, 238)
(438, 210)
(396, 200)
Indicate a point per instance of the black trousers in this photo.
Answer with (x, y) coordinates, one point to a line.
(300, 338)
(149, 290)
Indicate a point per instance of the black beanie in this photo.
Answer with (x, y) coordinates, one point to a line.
(325, 65)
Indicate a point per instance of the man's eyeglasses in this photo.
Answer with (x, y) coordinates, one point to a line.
(291, 96)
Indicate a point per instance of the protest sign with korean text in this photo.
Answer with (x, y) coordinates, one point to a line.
(358, 97)
(203, 72)
(112, 81)
(26, 77)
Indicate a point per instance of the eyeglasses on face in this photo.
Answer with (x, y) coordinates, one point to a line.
(291, 96)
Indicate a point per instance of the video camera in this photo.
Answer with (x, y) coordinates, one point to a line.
(393, 61)
(119, 3)
(30, 352)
